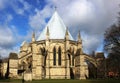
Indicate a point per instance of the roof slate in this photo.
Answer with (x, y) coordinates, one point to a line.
(56, 28)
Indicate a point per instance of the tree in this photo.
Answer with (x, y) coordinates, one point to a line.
(112, 47)
(112, 39)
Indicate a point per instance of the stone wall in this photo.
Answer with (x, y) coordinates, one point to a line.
(13, 68)
(4, 68)
(42, 59)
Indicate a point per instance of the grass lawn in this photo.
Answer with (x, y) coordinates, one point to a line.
(64, 81)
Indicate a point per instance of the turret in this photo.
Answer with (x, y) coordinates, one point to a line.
(36, 60)
(80, 43)
(67, 35)
(66, 57)
(47, 38)
(33, 37)
(47, 34)
(79, 38)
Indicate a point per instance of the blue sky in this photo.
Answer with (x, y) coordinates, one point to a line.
(19, 18)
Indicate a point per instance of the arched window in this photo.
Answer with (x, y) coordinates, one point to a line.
(54, 56)
(59, 56)
(44, 55)
(43, 51)
(73, 58)
(45, 60)
(69, 59)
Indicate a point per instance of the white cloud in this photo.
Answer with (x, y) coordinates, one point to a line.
(26, 6)
(3, 4)
(90, 42)
(20, 10)
(7, 40)
(5, 52)
(38, 20)
(10, 40)
(15, 6)
(9, 17)
(78, 11)
(6, 37)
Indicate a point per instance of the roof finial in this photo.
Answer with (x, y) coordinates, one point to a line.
(67, 31)
(47, 33)
(55, 8)
(67, 34)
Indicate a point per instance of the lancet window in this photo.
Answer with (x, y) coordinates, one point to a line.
(59, 56)
(54, 56)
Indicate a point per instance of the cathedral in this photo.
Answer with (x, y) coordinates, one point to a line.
(53, 55)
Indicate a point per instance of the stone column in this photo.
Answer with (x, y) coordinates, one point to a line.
(36, 63)
(48, 76)
(67, 70)
(82, 67)
(39, 67)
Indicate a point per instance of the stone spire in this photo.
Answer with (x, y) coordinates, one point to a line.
(79, 37)
(80, 43)
(67, 34)
(47, 33)
(33, 37)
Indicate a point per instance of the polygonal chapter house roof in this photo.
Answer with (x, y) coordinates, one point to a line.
(56, 27)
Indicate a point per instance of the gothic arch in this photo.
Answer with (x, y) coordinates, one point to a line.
(73, 57)
(69, 57)
(44, 55)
